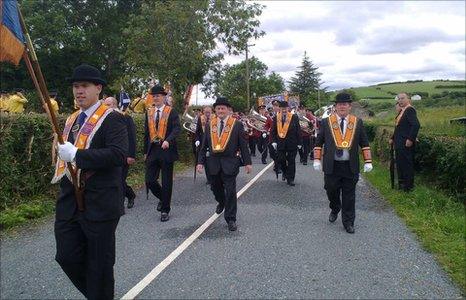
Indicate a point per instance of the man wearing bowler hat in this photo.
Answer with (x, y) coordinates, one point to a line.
(224, 137)
(96, 144)
(339, 139)
(286, 140)
(162, 127)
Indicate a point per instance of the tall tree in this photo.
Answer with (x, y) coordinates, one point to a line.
(176, 41)
(307, 83)
(231, 82)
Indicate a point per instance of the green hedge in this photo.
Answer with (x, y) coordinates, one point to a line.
(441, 160)
(25, 152)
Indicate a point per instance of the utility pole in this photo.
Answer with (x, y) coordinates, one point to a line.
(318, 98)
(247, 78)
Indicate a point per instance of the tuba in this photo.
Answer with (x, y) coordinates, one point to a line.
(256, 120)
(189, 122)
(305, 124)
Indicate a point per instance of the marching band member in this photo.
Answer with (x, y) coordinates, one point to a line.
(306, 137)
(201, 126)
(263, 139)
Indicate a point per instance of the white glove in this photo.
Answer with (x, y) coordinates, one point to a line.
(197, 143)
(299, 147)
(274, 145)
(368, 167)
(317, 165)
(264, 135)
(67, 151)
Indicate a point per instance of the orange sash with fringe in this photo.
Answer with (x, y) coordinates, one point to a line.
(342, 142)
(158, 134)
(398, 118)
(219, 143)
(282, 129)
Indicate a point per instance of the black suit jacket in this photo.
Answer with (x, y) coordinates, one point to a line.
(293, 137)
(131, 128)
(325, 140)
(173, 130)
(227, 161)
(199, 135)
(103, 161)
(407, 128)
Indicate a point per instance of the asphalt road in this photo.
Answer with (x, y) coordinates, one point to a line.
(284, 248)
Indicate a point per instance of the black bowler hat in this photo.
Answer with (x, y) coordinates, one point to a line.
(86, 73)
(283, 104)
(157, 89)
(222, 101)
(343, 97)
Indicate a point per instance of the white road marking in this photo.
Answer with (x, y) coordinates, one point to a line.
(141, 285)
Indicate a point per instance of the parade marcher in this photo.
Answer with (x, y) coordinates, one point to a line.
(340, 138)
(97, 143)
(202, 122)
(272, 150)
(16, 102)
(192, 136)
(254, 135)
(131, 158)
(263, 139)
(287, 140)
(162, 127)
(224, 137)
(306, 138)
(4, 98)
(312, 138)
(404, 139)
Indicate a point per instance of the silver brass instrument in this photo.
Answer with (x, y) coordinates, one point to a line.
(189, 122)
(256, 120)
(305, 124)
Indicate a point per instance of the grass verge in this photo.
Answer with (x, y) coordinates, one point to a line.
(437, 220)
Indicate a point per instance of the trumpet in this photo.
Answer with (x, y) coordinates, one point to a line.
(189, 122)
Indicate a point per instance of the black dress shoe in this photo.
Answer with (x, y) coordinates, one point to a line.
(332, 217)
(291, 183)
(305, 163)
(283, 177)
(159, 206)
(219, 209)
(164, 217)
(264, 162)
(131, 202)
(349, 229)
(232, 226)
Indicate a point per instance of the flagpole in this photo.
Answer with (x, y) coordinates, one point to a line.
(34, 69)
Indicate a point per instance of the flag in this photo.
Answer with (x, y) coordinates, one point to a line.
(11, 35)
(124, 100)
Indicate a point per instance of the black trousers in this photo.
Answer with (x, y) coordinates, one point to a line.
(341, 191)
(304, 151)
(154, 166)
(224, 188)
(262, 146)
(128, 190)
(405, 167)
(252, 145)
(86, 253)
(286, 160)
(312, 140)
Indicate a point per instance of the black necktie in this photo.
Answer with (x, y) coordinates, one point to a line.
(221, 126)
(81, 118)
(283, 120)
(339, 152)
(157, 119)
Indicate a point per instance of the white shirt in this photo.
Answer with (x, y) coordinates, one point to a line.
(224, 124)
(160, 113)
(90, 111)
(345, 155)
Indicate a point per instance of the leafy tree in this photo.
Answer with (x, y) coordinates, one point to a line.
(176, 41)
(307, 83)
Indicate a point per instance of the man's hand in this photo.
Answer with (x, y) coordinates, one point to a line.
(274, 145)
(299, 147)
(409, 143)
(264, 135)
(248, 169)
(197, 143)
(199, 168)
(390, 141)
(67, 151)
(368, 167)
(317, 165)
(165, 145)
(130, 160)
(145, 157)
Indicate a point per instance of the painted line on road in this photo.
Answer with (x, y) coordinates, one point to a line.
(141, 285)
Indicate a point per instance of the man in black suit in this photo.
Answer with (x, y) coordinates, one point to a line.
(131, 159)
(201, 126)
(97, 142)
(162, 127)
(406, 130)
(224, 137)
(286, 140)
(341, 135)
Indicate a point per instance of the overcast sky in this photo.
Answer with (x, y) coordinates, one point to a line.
(362, 43)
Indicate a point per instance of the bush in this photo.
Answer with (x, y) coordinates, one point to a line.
(25, 167)
(440, 159)
(455, 86)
